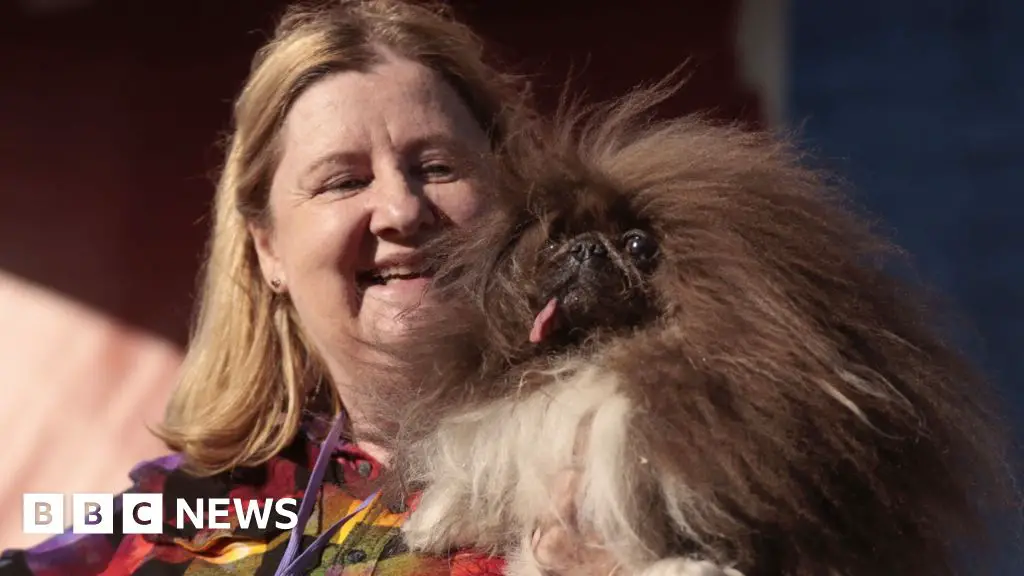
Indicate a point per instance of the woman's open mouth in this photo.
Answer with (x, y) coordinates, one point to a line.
(383, 277)
(395, 282)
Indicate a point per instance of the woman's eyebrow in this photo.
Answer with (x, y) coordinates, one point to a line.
(332, 159)
(312, 173)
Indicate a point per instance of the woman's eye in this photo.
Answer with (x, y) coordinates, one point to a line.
(437, 171)
(347, 185)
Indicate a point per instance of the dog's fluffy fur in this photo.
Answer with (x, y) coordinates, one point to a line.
(788, 409)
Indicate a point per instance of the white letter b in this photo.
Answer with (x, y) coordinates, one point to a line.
(42, 513)
(92, 513)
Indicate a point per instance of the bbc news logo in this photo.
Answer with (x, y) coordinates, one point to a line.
(143, 513)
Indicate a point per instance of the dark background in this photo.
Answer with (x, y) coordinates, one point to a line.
(922, 109)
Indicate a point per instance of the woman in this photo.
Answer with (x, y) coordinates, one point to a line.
(362, 129)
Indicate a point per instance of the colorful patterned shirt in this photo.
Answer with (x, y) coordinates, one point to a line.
(369, 543)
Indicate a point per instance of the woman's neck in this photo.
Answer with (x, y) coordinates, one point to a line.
(362, 429)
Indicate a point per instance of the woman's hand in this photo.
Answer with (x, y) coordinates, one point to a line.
(560, 547)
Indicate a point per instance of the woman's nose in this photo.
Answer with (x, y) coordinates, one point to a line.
(401, 209)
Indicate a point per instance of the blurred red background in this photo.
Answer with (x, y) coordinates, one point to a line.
(111, 115)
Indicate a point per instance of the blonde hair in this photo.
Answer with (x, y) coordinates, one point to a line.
(249, 370)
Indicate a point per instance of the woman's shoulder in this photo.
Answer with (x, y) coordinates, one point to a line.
(71, 553)
(171, 518)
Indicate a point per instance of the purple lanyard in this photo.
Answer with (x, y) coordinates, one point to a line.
(290, 564)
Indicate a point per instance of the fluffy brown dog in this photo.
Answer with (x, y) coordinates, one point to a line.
(690, 321)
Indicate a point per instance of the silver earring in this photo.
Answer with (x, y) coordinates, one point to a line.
(275, 284)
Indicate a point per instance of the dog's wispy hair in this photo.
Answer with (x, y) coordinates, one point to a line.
(791, 409)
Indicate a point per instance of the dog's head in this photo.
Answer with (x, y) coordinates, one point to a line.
(565, 259)
(587, 260)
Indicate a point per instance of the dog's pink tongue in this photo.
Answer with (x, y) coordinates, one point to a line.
(544, 322)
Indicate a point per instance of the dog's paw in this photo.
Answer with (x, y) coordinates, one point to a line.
(687, 567)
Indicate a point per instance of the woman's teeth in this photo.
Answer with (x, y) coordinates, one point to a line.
(383, 276)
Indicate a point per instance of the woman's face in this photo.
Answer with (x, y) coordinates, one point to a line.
(371, 164)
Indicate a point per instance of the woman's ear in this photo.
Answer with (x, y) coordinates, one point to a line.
(270, 265)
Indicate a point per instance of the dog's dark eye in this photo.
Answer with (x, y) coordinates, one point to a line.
(639, 245)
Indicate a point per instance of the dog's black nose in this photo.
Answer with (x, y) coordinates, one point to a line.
(587, 247)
